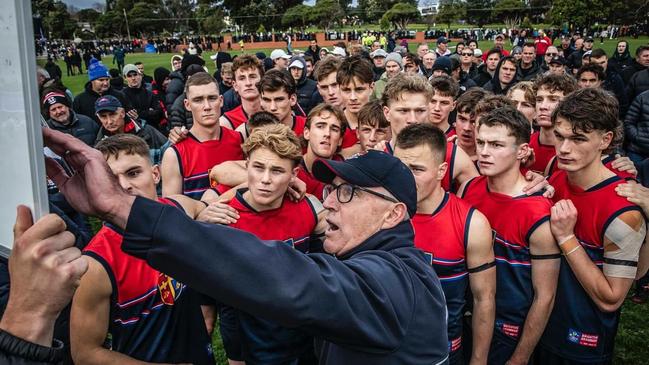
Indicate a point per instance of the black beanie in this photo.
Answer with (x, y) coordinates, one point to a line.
(191, 59)
(54, 97)
(160, 74)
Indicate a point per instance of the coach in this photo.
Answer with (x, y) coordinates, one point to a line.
(375, 300)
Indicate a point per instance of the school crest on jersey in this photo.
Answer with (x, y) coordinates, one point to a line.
(169, 289)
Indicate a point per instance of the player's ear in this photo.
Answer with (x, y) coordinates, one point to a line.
(186, 103)
(293, 99)
(294, 172)
(523, 152)
(441, 172)
(305, 134)
(155, 171)
(607, 138)
(386, 112)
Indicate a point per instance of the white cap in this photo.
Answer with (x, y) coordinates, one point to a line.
(477, 52)
(213, 57)
(339, 51)
(296, 63)
(379, 53)
(279, 53)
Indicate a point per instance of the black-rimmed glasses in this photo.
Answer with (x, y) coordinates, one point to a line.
(345, 192)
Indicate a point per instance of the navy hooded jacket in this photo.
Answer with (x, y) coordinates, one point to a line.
(381, 303)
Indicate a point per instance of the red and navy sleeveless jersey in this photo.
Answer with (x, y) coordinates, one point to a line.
(153, 317)
(543, 153)
(349, 138)
(196, 158)
(606, 160)
(513, 220)
(447, 181)
(443, 236)
(298, 125)
(577, 329)
(450, 131)
(264, 341)
(236, 117)
(313, 185)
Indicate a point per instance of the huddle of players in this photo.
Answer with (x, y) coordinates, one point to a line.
(542, 277)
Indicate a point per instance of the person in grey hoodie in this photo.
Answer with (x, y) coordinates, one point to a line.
(306, 88)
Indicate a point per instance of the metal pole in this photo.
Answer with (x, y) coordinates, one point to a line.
(127, 30)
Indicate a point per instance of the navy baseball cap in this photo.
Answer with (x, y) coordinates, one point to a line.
(442, 39)
(370, 170)
(107, 102)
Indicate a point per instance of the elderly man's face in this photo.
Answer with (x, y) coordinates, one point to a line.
(352, 223)
(60, 113)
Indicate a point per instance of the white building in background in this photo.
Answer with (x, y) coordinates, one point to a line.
(428, 7)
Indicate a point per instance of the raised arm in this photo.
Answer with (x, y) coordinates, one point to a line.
(622, 241)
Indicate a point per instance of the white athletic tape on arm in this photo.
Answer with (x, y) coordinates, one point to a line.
(622, 263)
(315, 203)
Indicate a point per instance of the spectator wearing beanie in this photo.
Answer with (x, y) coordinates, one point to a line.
(97, 86)
(393, 65)
(59, 116)
(442, 66)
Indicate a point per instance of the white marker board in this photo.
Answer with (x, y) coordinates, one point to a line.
(22, 168)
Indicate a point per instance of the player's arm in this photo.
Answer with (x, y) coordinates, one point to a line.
(89, 319)
(622, 240)
(224, 122)
(350, 151)
(482, 278)
(545, 273)
(172, 181)
(464, 169)
(231, 173)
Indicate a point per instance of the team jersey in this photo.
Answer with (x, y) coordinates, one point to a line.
(450, 131)
(236, 117)
(349, 138)
(263, 341)
(153, 317)
(447, 181)
(513, 220)
(298, 125)
(606, 160)
(543, 153)
(196, 158)
(313, 185)
(577, 330)
(443, 237)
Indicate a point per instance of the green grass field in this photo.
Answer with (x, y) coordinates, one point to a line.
(152, 61)
(631, 342)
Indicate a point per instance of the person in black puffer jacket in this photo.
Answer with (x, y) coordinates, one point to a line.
(636, 65)
(59, 116)
(145, 103)
(636, 128)
(305, 87)
(621, 58)
(98, 86)
(638, 84)
(178, 78)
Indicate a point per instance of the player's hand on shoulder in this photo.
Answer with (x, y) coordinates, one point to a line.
(624, 164)
(218, 212)
(177, 134)
(452, 138)
(529, 159)
(538, 182)
(296, 190)
(635, 193)
(563, 218)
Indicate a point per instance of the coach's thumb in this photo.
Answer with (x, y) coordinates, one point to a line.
(24, 221)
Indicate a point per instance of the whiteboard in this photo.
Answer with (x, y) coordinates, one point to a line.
(22, 168)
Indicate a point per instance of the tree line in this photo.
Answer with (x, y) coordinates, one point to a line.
(168, 17)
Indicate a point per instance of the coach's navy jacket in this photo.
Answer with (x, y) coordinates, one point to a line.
(380, 304)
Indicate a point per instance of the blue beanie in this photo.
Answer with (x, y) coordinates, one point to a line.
(96, 70)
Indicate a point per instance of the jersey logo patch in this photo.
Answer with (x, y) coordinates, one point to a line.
(169, 289)
(583, 339)
(508, 329)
